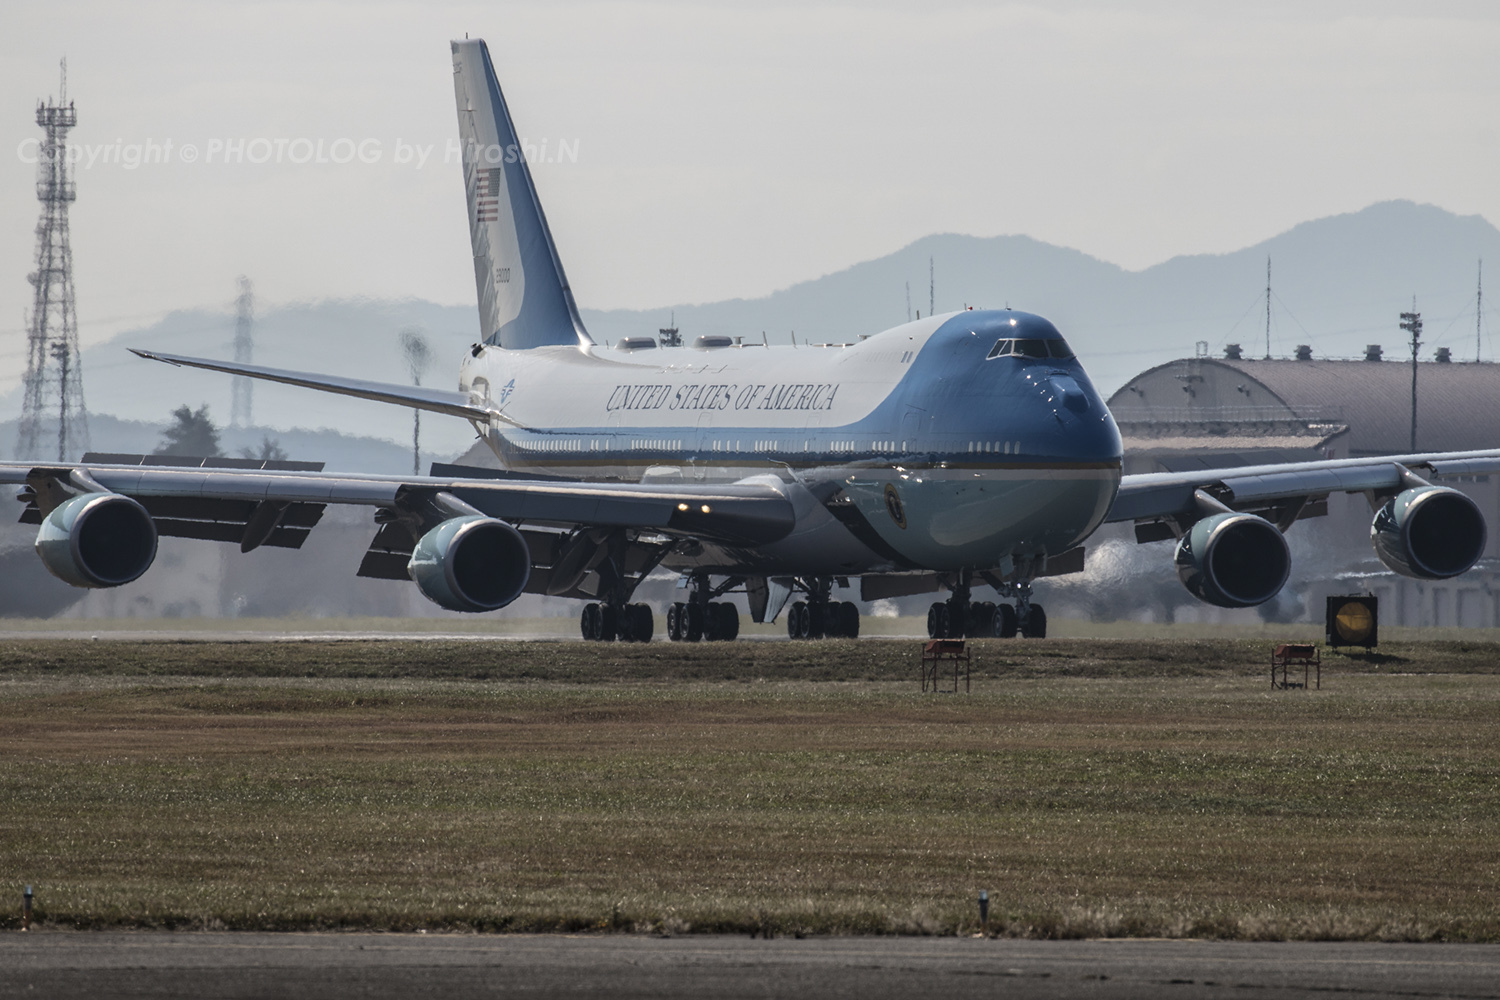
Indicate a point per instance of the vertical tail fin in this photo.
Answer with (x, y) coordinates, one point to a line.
(524, 298)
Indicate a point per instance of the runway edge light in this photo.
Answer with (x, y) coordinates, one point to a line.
(1353, 620)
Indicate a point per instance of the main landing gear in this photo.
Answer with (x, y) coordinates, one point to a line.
(819, 617)
(700, 616)
(959, 617)
(626, 622)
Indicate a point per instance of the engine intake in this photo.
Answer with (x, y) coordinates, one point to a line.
(1233, 560)
(1429, 532)
(471, 563)
(97, 540)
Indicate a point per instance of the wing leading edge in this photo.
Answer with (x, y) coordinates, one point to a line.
(742, 514)
(457, 404)
(1161, 495)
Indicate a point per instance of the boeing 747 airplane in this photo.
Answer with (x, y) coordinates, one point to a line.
(959, 452)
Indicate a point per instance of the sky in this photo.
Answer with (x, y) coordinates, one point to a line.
(719, 150)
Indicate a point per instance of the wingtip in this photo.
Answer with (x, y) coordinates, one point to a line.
(152, 357)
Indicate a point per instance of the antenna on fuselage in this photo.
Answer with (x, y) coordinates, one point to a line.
(670, 335)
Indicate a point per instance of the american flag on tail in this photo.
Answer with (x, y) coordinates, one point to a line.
(487, 200)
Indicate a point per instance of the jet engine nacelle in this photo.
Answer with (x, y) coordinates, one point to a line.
(1233, 560)
(471, 563)
(1429, 532)
(97, 540)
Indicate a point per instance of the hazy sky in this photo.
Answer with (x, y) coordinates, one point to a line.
(727, 149)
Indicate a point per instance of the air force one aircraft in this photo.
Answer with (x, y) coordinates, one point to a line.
(961, 451)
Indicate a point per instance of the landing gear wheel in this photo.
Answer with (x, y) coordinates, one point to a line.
(644, 622)
(796, 621)
(609, 623)
(953, 620)
(1036, 623)
(590, 623)
(937, 621)
(725, 622)
(1004, 624)
(692, 630)
(979, 619)
(848, 620)
(817, 619)
(674, 622)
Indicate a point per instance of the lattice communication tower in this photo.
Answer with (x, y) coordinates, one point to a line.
(54, 373)
(244, 353)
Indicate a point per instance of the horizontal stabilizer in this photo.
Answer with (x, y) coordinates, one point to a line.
(418, 397)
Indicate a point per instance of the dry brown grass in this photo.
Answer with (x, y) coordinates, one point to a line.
(1091, 791)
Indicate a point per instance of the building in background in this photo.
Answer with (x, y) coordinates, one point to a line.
(1211, 412)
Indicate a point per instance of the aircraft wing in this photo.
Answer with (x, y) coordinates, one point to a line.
(470, 544)
(456, 404)
(1286, 488)
(736, 514)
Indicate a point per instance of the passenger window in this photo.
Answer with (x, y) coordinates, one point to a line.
(1060, 348)
(1000, 350)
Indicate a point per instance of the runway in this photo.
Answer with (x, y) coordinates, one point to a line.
(233, 965)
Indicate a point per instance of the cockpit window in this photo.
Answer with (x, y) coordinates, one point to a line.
(1031, 348)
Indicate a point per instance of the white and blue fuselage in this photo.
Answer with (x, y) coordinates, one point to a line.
(969, 440)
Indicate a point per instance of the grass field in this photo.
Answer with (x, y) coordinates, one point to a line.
(1126, 787)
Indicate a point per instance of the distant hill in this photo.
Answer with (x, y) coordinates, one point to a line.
(1338, 283)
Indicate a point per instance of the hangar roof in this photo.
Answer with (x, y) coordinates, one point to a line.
(1458, 403)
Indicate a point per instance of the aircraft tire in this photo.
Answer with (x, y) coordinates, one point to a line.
(694, 630)
(609, 623)
(937, 620)
(642, 622)
(1004, 625)
(818, 624)
(796, 621)
(674, 622)
(726, 621)
(1036, 623)
(589, 623)
(848, 620)
(981, 619)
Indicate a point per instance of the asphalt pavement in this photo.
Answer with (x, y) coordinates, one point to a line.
(100, 965)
